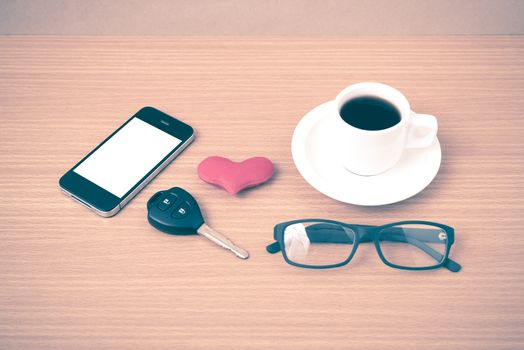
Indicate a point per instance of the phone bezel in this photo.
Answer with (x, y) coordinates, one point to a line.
(104, 202)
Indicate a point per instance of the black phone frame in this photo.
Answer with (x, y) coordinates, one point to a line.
(103, 201)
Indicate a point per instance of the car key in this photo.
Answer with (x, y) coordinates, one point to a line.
(175, 211)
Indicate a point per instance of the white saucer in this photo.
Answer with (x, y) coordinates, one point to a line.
(315, 154)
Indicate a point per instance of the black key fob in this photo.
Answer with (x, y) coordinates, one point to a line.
(174, 211)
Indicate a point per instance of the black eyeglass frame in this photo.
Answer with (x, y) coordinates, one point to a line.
(368, 233)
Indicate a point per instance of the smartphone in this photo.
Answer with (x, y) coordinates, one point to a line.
(125, 162)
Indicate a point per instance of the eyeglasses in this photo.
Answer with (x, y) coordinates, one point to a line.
(322, 244)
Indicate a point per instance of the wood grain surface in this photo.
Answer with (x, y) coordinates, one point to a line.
(73, 280)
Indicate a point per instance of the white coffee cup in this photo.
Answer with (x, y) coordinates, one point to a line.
(371, 152)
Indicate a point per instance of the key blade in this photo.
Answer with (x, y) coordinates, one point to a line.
(222, 241)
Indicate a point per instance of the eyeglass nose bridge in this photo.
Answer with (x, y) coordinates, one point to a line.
(365, 233)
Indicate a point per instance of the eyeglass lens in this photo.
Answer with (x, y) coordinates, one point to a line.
(318, 243)
(413, 245)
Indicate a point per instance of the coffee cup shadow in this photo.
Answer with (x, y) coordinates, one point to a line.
(430, 193)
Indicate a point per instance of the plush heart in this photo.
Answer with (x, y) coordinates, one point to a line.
(235, 177)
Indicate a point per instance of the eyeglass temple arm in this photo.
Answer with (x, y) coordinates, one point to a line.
(325, 233)
(422, 234)
(317, 233)
(273, 248)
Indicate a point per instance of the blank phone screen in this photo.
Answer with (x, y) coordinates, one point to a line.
(123, 160)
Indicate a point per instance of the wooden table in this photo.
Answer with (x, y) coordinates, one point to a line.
(73, 280)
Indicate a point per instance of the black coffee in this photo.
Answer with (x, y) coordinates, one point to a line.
(369, 113)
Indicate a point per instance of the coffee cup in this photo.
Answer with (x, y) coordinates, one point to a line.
(375, 125)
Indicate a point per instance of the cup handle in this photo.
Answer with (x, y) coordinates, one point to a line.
(422, 130)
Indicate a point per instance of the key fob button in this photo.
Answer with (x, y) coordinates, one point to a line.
(166, 202)
(181, 211)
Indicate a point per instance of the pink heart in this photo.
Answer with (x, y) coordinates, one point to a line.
(235, 177)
